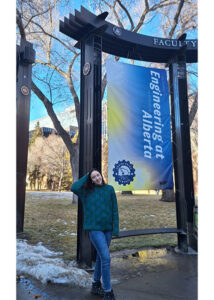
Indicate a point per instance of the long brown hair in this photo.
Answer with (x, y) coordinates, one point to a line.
(89, 185)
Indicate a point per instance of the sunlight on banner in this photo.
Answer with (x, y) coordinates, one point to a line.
(139, 133)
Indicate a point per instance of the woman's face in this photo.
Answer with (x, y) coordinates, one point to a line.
(96, 178)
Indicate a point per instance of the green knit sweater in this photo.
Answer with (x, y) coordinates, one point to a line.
(100, 206)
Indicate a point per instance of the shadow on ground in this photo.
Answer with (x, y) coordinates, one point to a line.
(149, 274)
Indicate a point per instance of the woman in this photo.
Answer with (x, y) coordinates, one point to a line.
(102, 221)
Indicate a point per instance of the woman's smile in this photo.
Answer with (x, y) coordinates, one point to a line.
(96, 178)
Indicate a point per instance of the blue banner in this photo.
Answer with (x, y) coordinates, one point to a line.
(139, 131)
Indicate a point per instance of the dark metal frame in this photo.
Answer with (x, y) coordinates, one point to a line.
(94, 35)
(25, 57)
(182, 150)
(90, 129)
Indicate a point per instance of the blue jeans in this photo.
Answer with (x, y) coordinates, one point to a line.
(101, 241)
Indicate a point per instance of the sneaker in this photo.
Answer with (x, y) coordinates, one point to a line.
(97, 289)
(109, 295)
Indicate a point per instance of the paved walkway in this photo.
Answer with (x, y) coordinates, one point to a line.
(154, 274)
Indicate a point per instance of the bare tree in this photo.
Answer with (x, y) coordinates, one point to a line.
(35, 166)
(55, 158)
(38, 22)
(56, 70)
(48, 157)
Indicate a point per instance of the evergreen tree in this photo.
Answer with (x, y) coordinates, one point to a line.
(37, 132)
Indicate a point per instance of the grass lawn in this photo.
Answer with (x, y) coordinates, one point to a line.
(53, 222)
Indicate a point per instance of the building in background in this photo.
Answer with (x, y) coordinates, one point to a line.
(66, 118)
(68, 121)
(46, 127)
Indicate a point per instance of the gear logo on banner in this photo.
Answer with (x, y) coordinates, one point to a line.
(123, 172)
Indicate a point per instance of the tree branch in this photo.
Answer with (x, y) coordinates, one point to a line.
(143, 16)
(193, 110)
(54, 37)
(104, 83)
(52, 67)
(20, 24)
(50, 40)
(128, 14)
(72, 89)
(49, 107)
(150, 9)
(117, 17)
(175, 21)
(34, 16)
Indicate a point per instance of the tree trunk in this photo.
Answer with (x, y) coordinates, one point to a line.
(62, 172)
(73, 148)
(60, 181)
(74, 159)
(168, 196)
(37, 184)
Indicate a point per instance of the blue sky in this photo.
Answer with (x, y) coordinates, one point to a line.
(8, 121)
(37, 109)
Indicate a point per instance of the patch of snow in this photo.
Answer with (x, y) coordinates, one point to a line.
(60, 220)
(45, 266)
(145, 216)
(61, 234)
(49, 195)
(66, 232)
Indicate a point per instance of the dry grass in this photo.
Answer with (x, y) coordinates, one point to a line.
(52, 221)
(145, 211)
